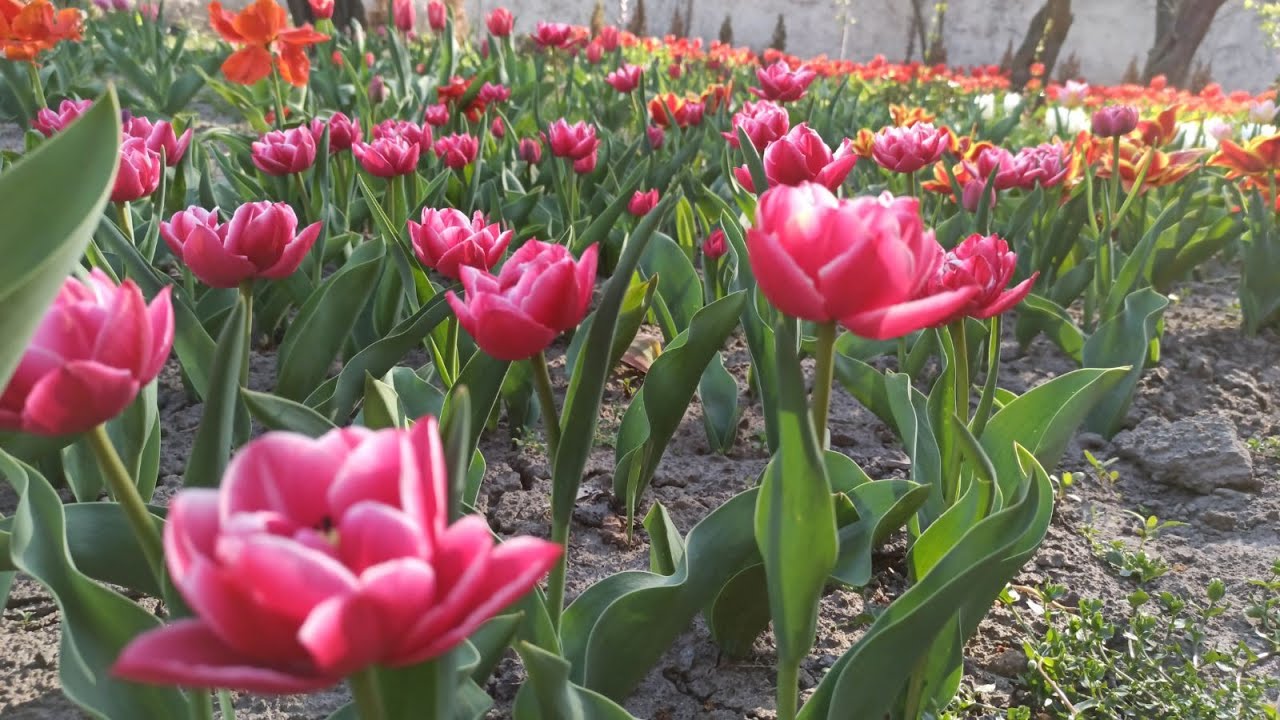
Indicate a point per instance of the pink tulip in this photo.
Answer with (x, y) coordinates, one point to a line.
(971, 196)
(656, 136)
(715, 246)
(285, 152)
(457, 151)
(446, 241)
(530, 151)
(1047, 165)
(907, 149)
(642, 202)
(493, 93)
(576, 141)
(404, 15)
(159, 136)
(377, 89)
(412, 132)
(258, 242)
(674, 71)
(609, 38)
(318, 558)
(595, 52)
(553, 35)
(343, 132)
(984, 262)
(497, 128)
(96, 348)
(322, 9)
(1073, 94)
(437, 15)
(779, 83)
(1113, 121)
(584, 165)
(139, 173)
(626, 78)
(763, 121)
(540, 292)
(387, 157)
(864, 263)
(436, 115)
(499, 22)
(49, 121)
(801, 156)
(1262, 112)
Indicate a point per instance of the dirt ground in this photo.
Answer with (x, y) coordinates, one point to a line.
(1213, 390)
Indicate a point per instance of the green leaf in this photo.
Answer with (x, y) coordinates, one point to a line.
(96, 622)
(51, 201)
(740, 612)
(635, 305)
(212, 445)
(549, 694)
(323, 324)
(1125, 339)
(381, 405)
(679, 286)
(1052, 319)
(718, 394)
(795, 522)
(883, 507)
(277, 413)
(482, 377)
(666, 547)
(605, 221)
(656, 411)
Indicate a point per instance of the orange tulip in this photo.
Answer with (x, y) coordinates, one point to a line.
(1164, 169)
(30, 28)
(261, 29)
(1259, 156)
(862, 143)
(904, 116)
(1162, 130)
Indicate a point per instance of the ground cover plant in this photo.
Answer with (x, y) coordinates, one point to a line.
(474, 374)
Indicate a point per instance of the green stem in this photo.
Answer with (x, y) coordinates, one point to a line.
(201, 703)
(911, 184)
(989, 386)
(788, 691)
(824, 373)
(960, 342)
(125, 218)
(305, 199)
(125, 492)
(547, 403)
(555, 582)
(712, 271)
(367, 695)
(224, 703)
(279, 98)
(246, 292)
(37, 87)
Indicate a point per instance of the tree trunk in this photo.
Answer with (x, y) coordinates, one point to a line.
(1173, 51)
(1165, 12)
(937, 52)
(344, 11)
(1044, 40)
(916, 32)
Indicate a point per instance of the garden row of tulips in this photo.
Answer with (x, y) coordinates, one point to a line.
(509, 209)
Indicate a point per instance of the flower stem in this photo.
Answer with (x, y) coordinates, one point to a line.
(547, 403)
(824, 373)
(788, 691)
(224, 703)
(959, 339)
(555, 582)
(201, 703)
(279, 98)
(367, 695)
(125, 217)
(246, 292)
(125, 491)
(37, 87)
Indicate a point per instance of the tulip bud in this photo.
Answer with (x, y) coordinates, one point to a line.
(497, 129)
(595, 52)
(530, 150)
(322, 9)
(437, 114)
(437, 15)
(404, 15)
(499, 22)
(1115, 120)
(642, 202)
(285, 152)
(715, 246)
(656, 136)
(377, 90)
(971, 195)
(139, 172)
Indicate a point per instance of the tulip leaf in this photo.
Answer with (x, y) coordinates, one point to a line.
(1041, 313)
(317, 334)
(883, 506)
(911, 419)
(635, 306)
(617, 628)
(51, 201)
(758, 332)
(666, 547)
(657, 409)
(1260, 277)
(97, 622)
(548, 693)
(482, 377)
(679, 287)
(607, 219)
(867, 681)
(277, 413)
(718, 394)
(211, 448)
(740, 612)
(1125, 339)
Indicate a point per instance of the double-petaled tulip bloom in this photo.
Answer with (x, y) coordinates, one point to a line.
(530, 150)
(576, 142)
(260, 241)
(436, 115)
(540, 292)
(159, 136)
(763, 122)
(320, 557)
(779, 83)
(985, 263)
(387, 157)
(864, 263)
(343, 131)
(262, 31)
(626, 78)
(447, 241)
(1162, 168)
(49, 121)
(1046, 165)
(499, 22)
(285, 152)
(801, 156)
(457, 151)
(1114, 120)
(410, 131)
(907, 149)
(642, 202)
(1257, 157)
(97, 346)
(553, 35)
(139, 171)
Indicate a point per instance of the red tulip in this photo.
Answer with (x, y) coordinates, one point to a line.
(540, 292)
(387, 157)
(285, 152)
(447, 241)
(642, 202)
(96, 348)
(576, 141)
(714, 247)
(530, 151)
(656, 136)
(609, 38)
(343, 131)
(318, 558)
(595, 52)
(763, 121)
(907, 149)
(674, 71)
(1115, 120)
(584, 165)
(159, 136)
(437, 15)
(626, 78)
(436, 115)
(553, 35)
(497, 129)
(500, 22)
(139, 173)
(49, 121)
(801, 156)
(404, 15)
(457, 151)
(258, 242)
(322, 9)
(984, 262)
(779, 83)
(863, 262)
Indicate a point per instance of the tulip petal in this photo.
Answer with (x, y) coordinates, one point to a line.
(211, 262)
(289, 474)
(160, 315)
(370, 472)
(423, 495)
(897, 320)
(285, 576)
(505, 332)
(371, 533)
(346, 633)
(781, 279)
(1007, 299)
(233, 613)
(191, 528)
(293, 253)
(124, 339)
(77, 397)
(248, 65)
(188, 653)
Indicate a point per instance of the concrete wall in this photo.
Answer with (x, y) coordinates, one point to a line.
(1106, 35)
